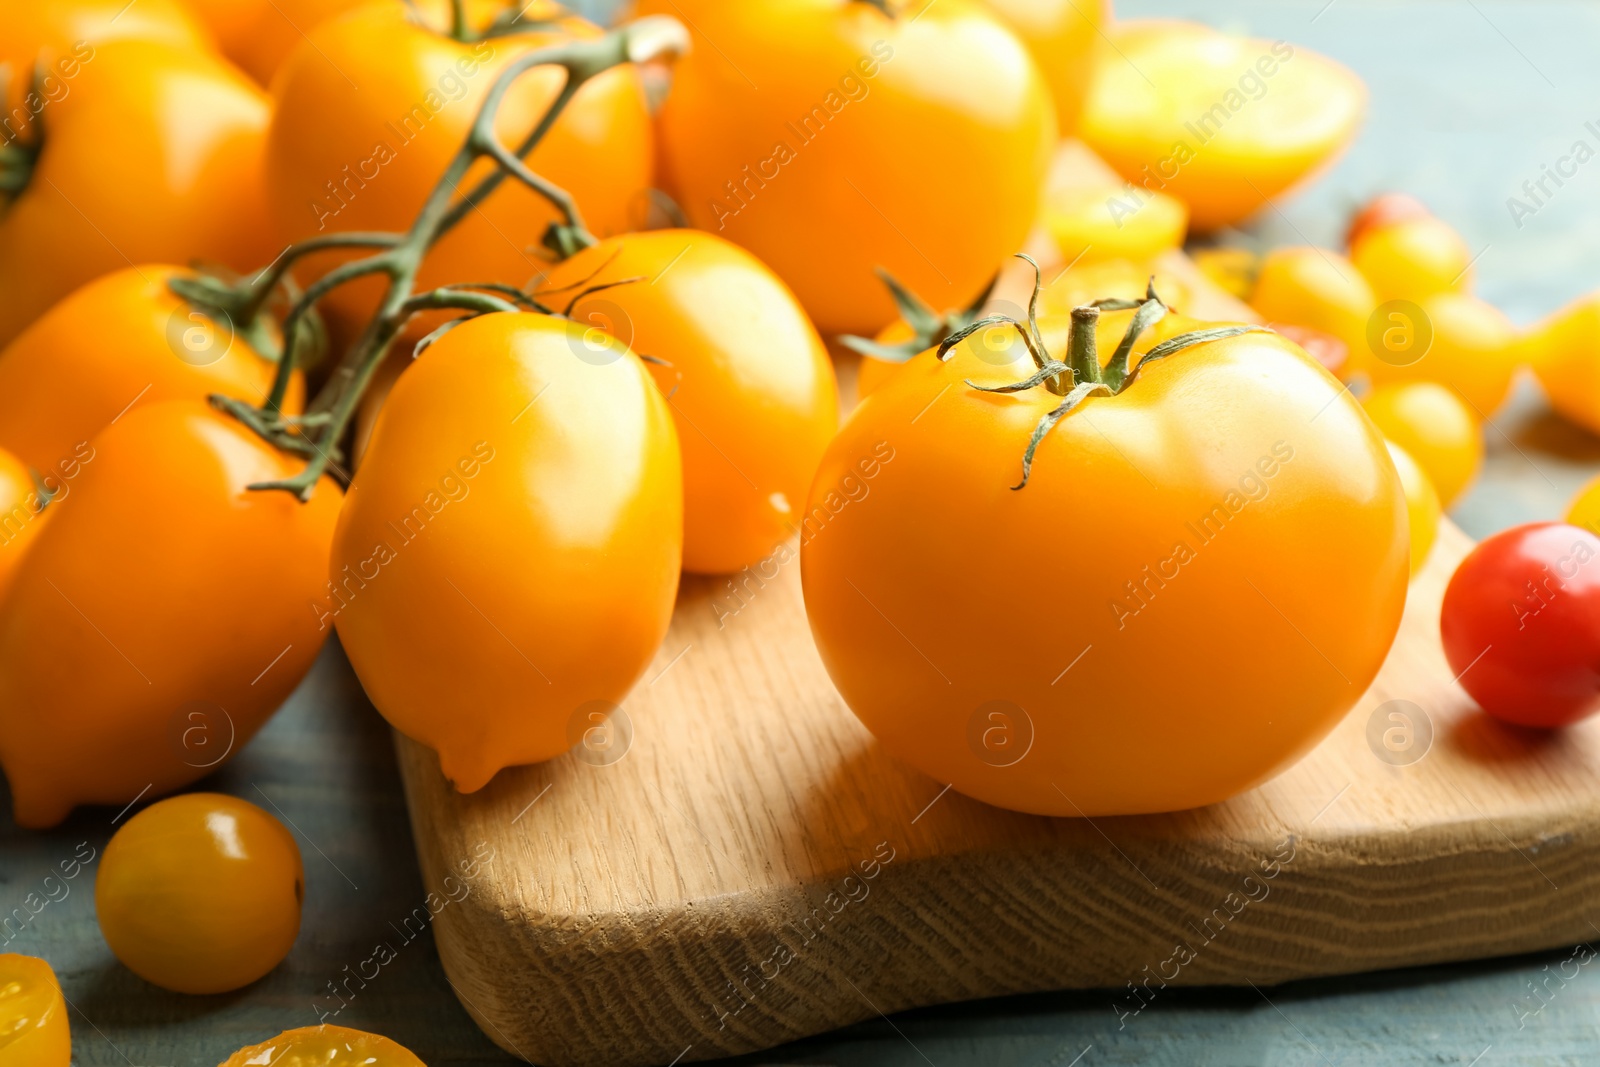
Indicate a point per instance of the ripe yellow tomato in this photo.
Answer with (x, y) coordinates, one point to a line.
(61, 383)
(1112, 279)
(1422, 505)
(799, 129)
(325, 1046)
(1405, 252)
(1233, 270)
(200, 893)
(33, 1015)
(259, 34)
(109, 686)
(1257, 537)
(1092, 223)
(1564, 352)
(152, 155)
(1317, 289)
(373, 106)
(21, 515)
(507, 560)
(1465, 343)
(749, 382)
(1223, 123)
(1435, 427)
(1064, 37)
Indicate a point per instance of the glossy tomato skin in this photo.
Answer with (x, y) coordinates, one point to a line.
(1436, 428)
(162, 595)
(1521, 624)
(347, 158)
(325, 1046)
(22, 515)
(200, 893)
(510, 551)
(1065, 39)
(817, 162)
(749, 382)
(259, 34)
(33, 1015)
(1318, 289)
(185, 130)
(122, 340)
(1163, 653)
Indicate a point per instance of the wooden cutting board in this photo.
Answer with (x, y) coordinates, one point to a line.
(744, 866)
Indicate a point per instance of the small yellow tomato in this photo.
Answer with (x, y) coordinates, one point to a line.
(1463, 342)
(1405, 252)
(1564, 351)
(33, 1016)
(1233, 270)
(1585, 508)
(1112, 279)
(200, 893)
(1316, 289)
(1223, 123)
(1091, 223)
(325, 1046)
(1422, 505)
(1435, 427)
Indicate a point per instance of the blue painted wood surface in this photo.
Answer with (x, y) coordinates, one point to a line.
(1469, 98)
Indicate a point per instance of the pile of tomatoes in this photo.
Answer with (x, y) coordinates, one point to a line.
(464, 328)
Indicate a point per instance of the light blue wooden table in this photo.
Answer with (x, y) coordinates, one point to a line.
(1469, 98)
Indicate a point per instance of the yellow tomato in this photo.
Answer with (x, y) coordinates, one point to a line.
(1114, 222)
(1112, 279)
(1435, 427)
(1422, 505)
(1584, 510)
(258, 34)
(1564, 351)
(1405, 252)
(21, 514)
(33, 1015)
(325, 1046)
(1233, 270)
(1316, 289)
(1064, 37)
(1223, 123)
(1463, 342)
(200, 893)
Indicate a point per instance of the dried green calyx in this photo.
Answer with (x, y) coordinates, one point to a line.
(928, 327)
(1083, 376)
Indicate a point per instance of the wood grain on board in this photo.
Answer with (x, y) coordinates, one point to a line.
(754, 868)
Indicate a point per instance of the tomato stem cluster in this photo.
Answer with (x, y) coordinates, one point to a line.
(398, 257)
(1082, 376)
(928, 327)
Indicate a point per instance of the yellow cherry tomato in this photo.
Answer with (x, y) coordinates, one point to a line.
(21, 515)
(33, 1015)
(1422, 504)
(813, 151)
(1064, 37)
(1464, 343)
(200, 893)
(1564, 352)
(1435, 427)
(507, 560)
(749, 382)
(1316, 289)
(1405, 252)
(1114, 222)
(325, 1046)
(1252, 525)
(1223, 123)
(1584, 510)
(1112, 279)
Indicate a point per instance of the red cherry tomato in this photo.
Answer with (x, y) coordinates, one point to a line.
(1521, 624)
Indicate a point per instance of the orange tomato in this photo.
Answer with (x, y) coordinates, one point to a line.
(1450, 338)
(799, 129)
(1422, 505)
(200, 893)
(347, 158)
(33, 1015)
(1435, 427)
(1065, 39)
(1407, 253)
(1254, 530)
(750, 385)
(1223, 123)
(21, 515)
(1564, 352)
(160, 616)
(61, 382)
(325, 1046)
(1112, 279)
(507, 562)
(1316, 289)
(259, 34)
(152, 154)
